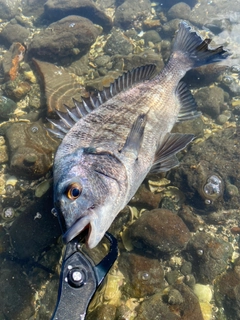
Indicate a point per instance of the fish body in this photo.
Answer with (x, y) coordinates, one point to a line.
(108, 151)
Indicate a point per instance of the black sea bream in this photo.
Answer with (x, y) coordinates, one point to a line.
(113, 139)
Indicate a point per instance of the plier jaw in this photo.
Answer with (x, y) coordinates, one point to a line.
(80, 279)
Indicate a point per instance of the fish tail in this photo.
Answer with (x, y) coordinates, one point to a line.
(194, 50)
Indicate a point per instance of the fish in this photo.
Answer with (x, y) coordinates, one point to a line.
(112, 140)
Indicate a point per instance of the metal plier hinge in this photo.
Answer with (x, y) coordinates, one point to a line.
(80, 279)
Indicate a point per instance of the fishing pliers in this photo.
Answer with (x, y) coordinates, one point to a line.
(79, 280)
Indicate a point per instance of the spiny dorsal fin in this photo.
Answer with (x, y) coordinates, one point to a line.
(165, 158)
(134, 140)
(188, 105)
(87, 105)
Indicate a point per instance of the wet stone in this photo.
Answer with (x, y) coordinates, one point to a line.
(186, 268)
(227, 292)
(16, 293)
(191, 220)
(172, 276)
(102, 61)
(209, 256)
(190, 307)
(133, 61)
(151, 36)
(194, 126)
(3, 154)
(55, 10)
(154, 308)
(145, 198)
(31, 149)
(62, 37)
(131, 12)
(217, 152)
(144, 275)
(103, 312)
(35, 229)
(170, 27)
(7, 107)
(180, 10)
(210, 100)
(159, 231)
(8, 9)
(48, 302)
(118, 43)
(13, 33)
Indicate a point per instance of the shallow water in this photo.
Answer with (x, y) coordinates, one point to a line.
(179, 237)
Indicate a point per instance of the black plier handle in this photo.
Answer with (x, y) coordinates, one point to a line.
(80, 279)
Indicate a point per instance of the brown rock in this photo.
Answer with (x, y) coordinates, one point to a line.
(132, 11)
(144, 275)
(145, 198)
(55, 10)
(189, 308)
(153, 308)
(13, 33)
(17, 295)
(63, 38)
(31, 149)
(227, 292)
(210, 100)
(8, 9)
(210, 256)
(159, 231)
(192, 220)
(180, 10)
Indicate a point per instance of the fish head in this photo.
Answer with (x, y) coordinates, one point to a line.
(85, 198)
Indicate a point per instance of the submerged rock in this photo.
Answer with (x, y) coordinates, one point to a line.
(209, 256)
(144, 275)
(16, 292)
(227, 292)
(35, 229)
(210, 158)
(62, 38)
(8, 9)
(13, 33)
(159, 231)
(118, 43)
(31, 149)
(132, 12)
(210, 100)
(11, 60)
(56, 10)
(7, 107)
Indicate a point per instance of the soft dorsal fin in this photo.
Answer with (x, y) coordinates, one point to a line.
(81, 109)
(188, 105)
(165, 158)
(134, 140)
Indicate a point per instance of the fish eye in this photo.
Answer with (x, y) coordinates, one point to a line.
(73, 191)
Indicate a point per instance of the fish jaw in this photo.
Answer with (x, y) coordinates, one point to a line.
(95, 223)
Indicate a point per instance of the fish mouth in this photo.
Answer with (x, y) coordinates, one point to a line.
(94, 231)
(80, 225)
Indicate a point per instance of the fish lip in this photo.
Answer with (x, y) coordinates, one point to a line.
(78, 226)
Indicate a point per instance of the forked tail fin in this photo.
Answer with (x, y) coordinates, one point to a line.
(195, 51)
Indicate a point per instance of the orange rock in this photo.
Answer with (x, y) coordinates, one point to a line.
(18, 54)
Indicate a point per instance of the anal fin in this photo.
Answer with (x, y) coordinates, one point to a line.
(134, 140)
(188, 109)
(165, 157)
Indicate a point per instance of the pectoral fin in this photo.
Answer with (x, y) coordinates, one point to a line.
(134, 140)
(165, 157)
